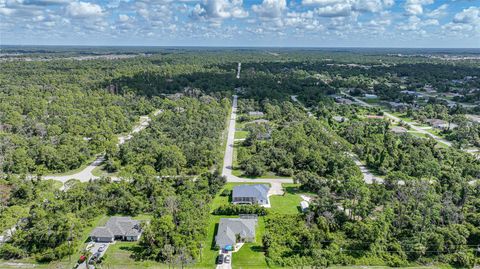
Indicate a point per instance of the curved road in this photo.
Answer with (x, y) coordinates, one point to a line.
(86, 174)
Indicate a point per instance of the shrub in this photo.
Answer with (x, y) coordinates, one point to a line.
(226, 192)
(8, 251)
(231, 209)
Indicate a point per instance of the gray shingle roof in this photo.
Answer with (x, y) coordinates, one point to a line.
(229, 228)
(101, 232)
(118, 226)
(259, 191)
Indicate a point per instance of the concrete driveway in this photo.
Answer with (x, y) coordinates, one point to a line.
(225, 265)
(94, 250)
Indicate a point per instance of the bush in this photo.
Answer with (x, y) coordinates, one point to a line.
(8, 251)
(226, 192)
(231, 209)
(46, 256)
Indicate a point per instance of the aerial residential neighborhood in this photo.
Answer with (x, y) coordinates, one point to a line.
(243, 134)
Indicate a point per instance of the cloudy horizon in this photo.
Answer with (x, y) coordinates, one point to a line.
(257, 23)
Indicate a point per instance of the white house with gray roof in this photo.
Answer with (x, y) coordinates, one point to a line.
(117, 228)
(251, 194)
(232, 231)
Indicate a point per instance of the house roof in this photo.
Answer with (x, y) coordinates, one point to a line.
(229, 228)
(118, 226)
(259, 191)
(101, 232)
(255, 113)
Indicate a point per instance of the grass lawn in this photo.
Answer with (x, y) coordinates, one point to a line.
(119, 255)
(251, 255)
(241, 134)
(209, 253)
(289, 203)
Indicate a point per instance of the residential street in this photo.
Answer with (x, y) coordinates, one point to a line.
(86, 174)
(396, 119)
(276, 183)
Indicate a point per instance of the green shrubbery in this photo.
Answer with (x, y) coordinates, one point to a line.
(231, 209)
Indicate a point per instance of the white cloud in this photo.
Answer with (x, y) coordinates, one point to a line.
(219, 9)
(415, 7)
(270, 8)
(46, 2)
(323, 2)
(438, 12)
(415, 24)
(123, 18)
(368, 5)
(337, 10)
(84, 10)
(470, 15)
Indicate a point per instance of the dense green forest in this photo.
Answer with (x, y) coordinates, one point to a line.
(426, 211)
(57, 114)
(183, 139)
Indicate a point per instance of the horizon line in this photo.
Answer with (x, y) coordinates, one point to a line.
(229, 46)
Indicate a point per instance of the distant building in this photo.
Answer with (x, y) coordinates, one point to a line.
(398, 130)
(340, 118)
(235, 230)
(251, 194)
(370, 96)
(260, 121)
(117, 228)
(441, 124)
(374, 117)
(344, 101)
(398, 106)
(256, 113)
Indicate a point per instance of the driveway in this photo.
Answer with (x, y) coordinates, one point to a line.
(94, 250)
(411, 125)
(225, 265)
(227, 170)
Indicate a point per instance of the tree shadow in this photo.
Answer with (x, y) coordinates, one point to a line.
(292, 190)
(257, 248)
(213, 244)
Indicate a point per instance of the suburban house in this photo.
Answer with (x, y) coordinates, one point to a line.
(251, 194)
(441, 124)
(235, 230)
(117, 228)
(398, 130)
(370, 96)
(255, 113)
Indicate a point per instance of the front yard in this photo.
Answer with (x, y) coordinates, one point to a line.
(251, 255)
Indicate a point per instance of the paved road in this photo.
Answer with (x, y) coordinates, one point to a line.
(396, 119)
(276, 183)
(86, 174)
(239, 68)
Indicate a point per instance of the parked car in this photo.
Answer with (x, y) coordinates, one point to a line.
(102, 248)
(227, 259)
(220, 259)
(82, 259)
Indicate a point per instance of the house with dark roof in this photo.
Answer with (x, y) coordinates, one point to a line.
(117, 228)
(251, 194)
(235, 230)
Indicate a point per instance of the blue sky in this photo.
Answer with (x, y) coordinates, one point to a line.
(300, 23)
